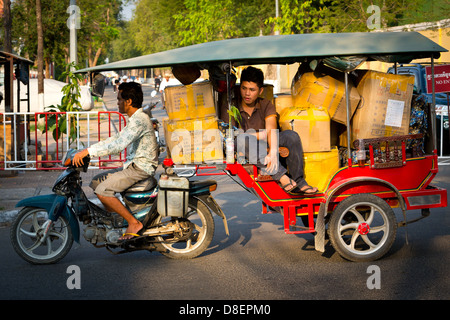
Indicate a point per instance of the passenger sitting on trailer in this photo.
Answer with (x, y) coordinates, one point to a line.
(260, 114)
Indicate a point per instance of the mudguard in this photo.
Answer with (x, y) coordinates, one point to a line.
(209, 201)
(56, 206)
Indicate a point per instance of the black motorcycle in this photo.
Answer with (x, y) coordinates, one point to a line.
(176, 214)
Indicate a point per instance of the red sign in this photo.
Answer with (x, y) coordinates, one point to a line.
(441, 78)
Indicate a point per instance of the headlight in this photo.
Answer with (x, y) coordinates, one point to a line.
(67, 159)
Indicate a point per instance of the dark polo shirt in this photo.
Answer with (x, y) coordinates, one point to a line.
(263, 109)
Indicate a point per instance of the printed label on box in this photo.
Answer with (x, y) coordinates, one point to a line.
(394, 113)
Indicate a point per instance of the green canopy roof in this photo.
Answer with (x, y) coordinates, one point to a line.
(385, 46)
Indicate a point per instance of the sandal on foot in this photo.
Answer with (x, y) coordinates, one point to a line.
(133, 235)
(290, 183)
(301, 191)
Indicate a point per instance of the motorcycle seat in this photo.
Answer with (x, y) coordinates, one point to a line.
(143, 185)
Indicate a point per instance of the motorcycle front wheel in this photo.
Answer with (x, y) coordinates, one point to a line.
(27, 237)
(199, 238)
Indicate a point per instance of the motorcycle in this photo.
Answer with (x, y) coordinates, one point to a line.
(176, 214)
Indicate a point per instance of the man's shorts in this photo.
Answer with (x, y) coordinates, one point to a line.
(117, 180)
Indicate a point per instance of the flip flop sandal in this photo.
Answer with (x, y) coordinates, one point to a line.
(290, 183)
(298, 191)
(134, 235)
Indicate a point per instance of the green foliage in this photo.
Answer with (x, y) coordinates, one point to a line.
(352, 15)
(98, 22)
(69, 102)
(300, 16)
(235, 114)
(207, 20)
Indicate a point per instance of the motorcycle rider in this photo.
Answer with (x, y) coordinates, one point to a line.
(141, 161)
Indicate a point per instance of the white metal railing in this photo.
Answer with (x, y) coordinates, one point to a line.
(107, 123)
(442, 112)
(90, 127)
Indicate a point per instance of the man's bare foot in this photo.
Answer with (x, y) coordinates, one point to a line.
(287, 183)
(308, 189)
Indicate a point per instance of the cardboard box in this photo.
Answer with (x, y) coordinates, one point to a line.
(327, 92)
(312, 124)
(190, 102)
(320, 167)
(283, 101)
(194, 141)
(267, 92)
(385, 107)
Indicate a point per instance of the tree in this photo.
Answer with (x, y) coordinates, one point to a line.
(160, 32)
(300, 17)
(353, 15)
(7, 20)
(205, 21)
(99, 27)
(40, 54)
(99, 19)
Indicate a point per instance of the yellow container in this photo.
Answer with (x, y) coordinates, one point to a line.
(190, 102)
(194, 141)
(319, 167)
(312, 125)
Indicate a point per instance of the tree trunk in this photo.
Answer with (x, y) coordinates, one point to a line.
(40, 56)
(7, 46)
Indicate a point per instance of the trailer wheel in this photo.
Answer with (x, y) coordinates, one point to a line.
(362, 228)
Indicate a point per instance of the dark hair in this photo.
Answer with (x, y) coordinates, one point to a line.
(133, 91)
(253, 74)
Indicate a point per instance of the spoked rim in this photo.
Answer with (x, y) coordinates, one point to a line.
(363, 228)
(197, 235)
(29, 235)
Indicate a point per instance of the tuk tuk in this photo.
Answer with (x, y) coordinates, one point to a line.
(356, 199)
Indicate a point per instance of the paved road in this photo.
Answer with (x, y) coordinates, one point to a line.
(257, 261)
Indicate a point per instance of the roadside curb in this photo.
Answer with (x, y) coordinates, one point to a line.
(7, 217)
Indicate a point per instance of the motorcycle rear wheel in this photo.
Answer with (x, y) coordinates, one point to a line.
(199, 239)
(27, 231)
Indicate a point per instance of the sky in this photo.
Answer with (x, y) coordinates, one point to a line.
(128, 11)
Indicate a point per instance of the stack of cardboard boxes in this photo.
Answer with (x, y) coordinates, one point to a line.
(379, 106)
(191, 131)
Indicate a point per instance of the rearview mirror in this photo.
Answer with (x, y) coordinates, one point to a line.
(98, 85)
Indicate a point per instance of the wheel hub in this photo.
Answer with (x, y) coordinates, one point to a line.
(363, 228)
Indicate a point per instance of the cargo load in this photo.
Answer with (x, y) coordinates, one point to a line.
(311, 123)
(320, 167)
(190, 102)
(385, 107)
(283, 101)
(325, 91)
(193, 141)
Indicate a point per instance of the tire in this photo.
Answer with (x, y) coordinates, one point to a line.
(198, 241)
(362, 228)
(26, 233)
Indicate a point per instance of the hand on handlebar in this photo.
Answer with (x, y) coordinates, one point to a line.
(79, 156)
